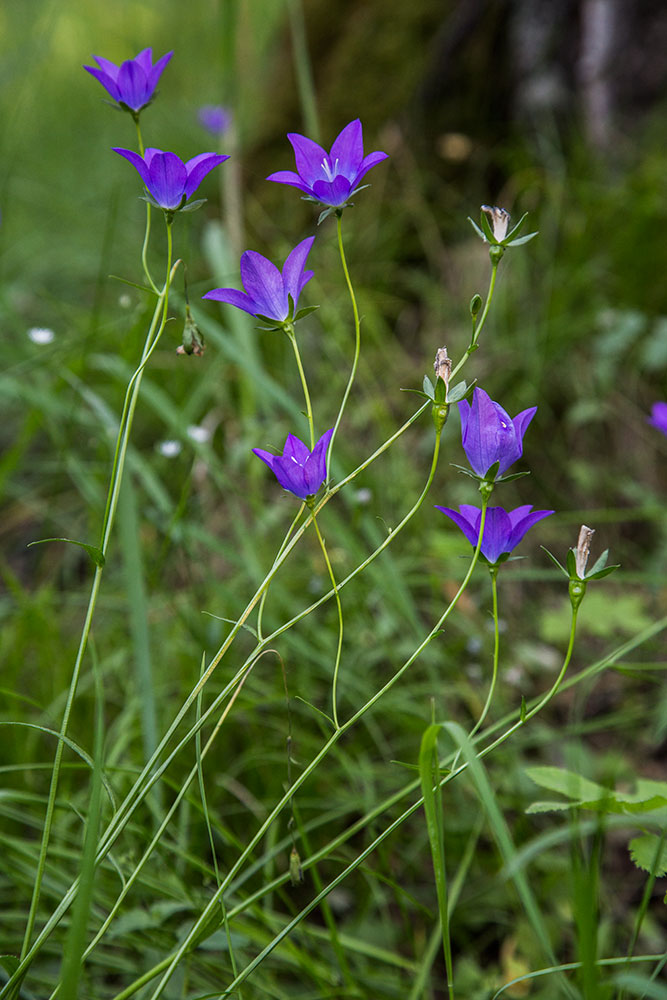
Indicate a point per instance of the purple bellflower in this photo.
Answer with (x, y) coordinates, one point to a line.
(268, 291)
(489, 435)
(214, 118)
(133, 83)
(330, 178)
(299, 470)
(168, 180)
(658, 417)
(503, 530)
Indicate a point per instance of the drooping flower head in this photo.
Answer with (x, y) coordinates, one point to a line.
(299, 470)
(267, 290)
(503, 530)
(658, 417)
(133, 83)
(214, 118)
(168, 180)
(490, 435)
(330, 178)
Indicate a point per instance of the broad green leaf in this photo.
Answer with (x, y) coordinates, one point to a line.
(643, 851)
(568, 783)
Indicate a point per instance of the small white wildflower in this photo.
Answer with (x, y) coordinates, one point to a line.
(41, 335)
(170, 449)
(198, 433)
(125, 300)
(363, 495)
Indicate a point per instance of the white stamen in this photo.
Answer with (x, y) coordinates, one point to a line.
(330, 172)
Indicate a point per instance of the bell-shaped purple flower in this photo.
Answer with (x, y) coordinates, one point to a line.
(490, 435)
(168, 180)
(132, 83)
(503, 530)
(299, 470)
(267, 290)
(658, 417)
(330, 178)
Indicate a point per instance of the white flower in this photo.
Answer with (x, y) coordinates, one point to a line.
(199, 434)
(41, 335)
(170, 449)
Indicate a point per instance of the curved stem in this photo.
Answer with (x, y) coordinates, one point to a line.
(334, 697)
(144, 248)
(113, 493)
(260, 610)
(289, 330)
(357, 336)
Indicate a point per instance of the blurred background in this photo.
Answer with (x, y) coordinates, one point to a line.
(556, 108)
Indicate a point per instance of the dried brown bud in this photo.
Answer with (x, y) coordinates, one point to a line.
(500, 220)
(583, 549)
(442, 365)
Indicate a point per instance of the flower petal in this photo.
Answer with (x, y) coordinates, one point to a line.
(167, 179)
(334, 192)
(316, 466)
(266, 456)
(367, 163)
(348, 149)
(154, 73)
(291, 476)
(198, 167)
(145, 60)
(132, 85)
(136, 161)
(293, 275)
(468, 522)
(309, 157)
(233, 298)
(521, 525)
(496, 540)
(264, 284)
(296, 450)
(289, 177)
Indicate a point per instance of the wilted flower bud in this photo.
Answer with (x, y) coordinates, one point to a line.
(500, 220)
(583, 549)
(295, 869)
(442, 365)
(193, 339)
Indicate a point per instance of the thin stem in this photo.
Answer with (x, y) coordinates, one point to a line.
(144, 248)
(260, 611)
(357, 335)
(289, 330)
(107, 525)
(496, 650)
(334, 692)
(477, 328)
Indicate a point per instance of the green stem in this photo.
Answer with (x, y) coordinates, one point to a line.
(289, 330)
(260, 611)
(357, 336)
(482, 320)
(496, 650)
(334, 696)
(305, 774)
(147, 233)
(107, 525)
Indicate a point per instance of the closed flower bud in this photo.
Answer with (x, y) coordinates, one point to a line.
(442, 365)
(583, 549)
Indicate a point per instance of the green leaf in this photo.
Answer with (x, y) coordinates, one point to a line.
(549, 806)
(95, 554)
(649, 852)
(567, 783)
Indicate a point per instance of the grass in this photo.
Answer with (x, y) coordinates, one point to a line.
(577, 326)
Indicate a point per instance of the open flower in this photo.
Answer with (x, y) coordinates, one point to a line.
(168, 180)
(132, 83)
(503, 530)
(658, 417)
(330, 178)
(299, 470)
(489, 435)
(267, 290)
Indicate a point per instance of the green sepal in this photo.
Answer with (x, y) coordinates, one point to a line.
(356, 191)
(602, 572)
(491, 473)
(476, 228)
(427, 386)
(488, 230)
(457, 393)
(306, 311)
(325, 214)
(417, 392)
(466, 472)
(193, 205)
(95, 554)
(599, 564)
(571, 564)
(554, 560)
(512, 476)
(440, 392)
(516, 229)
(521, 240)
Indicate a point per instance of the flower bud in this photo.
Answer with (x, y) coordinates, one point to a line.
(442, 365)
(583, 549)
(500, 220)
(193, 339)
(475, 305)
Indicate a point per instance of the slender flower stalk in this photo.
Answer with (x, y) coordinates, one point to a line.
(357, 334)
(131, 396)
(334, 689)
(478, 324)
(289, 330)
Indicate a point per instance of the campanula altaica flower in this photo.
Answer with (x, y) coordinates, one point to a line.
(133, 83)
(489, 435)
(299, 470)
(168, 180)
(503, 530)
